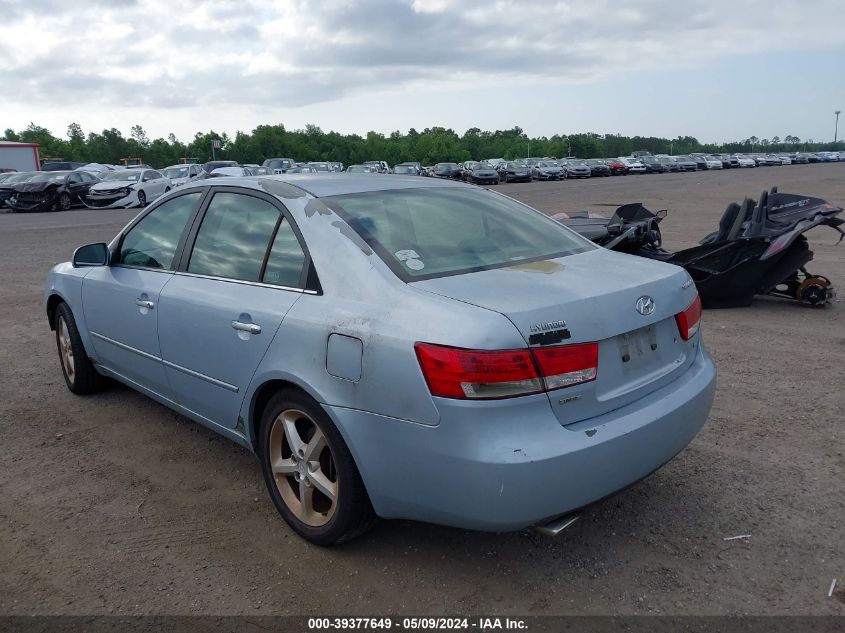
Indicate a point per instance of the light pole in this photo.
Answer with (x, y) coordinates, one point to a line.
(836, 129)
(529, 148)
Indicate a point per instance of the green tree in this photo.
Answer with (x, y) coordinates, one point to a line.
(76, 143)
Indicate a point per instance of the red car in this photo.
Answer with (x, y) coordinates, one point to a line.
(617, 167)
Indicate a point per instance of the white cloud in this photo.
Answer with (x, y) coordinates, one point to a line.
(159, 55)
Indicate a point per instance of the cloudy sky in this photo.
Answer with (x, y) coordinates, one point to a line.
(715, 69)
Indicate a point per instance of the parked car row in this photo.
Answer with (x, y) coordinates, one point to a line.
(63, 185)
(549, 168)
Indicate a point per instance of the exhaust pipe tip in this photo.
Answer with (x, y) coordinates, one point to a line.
(558, 525)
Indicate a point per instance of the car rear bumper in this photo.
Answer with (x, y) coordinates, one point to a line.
(509, 464)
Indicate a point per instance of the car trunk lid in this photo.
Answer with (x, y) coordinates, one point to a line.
(590, 297)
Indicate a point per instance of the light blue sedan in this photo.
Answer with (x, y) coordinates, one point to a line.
(393, 347)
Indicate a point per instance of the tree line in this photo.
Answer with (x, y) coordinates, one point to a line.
(432, 145)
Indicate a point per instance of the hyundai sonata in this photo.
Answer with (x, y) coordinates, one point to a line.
(393, 347)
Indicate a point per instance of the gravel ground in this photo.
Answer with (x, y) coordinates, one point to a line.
(114, 504)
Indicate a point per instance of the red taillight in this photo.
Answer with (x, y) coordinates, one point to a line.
(689, 319)
(453, 372)
(567, 365)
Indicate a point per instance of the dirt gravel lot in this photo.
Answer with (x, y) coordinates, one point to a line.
(114, 504)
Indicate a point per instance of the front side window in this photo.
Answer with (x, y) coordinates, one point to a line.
(427, 233)
(233, 238)
(152, 242)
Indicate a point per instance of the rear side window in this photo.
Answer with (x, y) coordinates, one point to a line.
(435, 232)
(286, 259)
(152, 242)
(234, 236)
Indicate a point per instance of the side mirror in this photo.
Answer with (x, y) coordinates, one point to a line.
(662, 213)
(91, 255)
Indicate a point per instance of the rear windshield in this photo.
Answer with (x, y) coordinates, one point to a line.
(432, 232)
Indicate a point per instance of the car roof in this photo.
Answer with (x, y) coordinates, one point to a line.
(322, 185)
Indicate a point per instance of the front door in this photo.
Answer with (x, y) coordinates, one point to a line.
(219, 313)
(76, 187)
(120, 301)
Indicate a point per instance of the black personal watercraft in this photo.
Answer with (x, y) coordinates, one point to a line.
(759, 249)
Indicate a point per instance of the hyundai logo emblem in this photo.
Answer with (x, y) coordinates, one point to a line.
(645, 305)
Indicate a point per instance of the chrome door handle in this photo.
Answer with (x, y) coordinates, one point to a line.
(250, 328)
(141, 303)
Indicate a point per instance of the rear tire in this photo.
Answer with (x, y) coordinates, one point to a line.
(80, 375)
(309, 471)
(63, 203)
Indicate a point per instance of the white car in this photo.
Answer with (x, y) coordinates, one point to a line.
(784, 159)
(127, 188)
(181, 174)
(633, 164)
(712, 162)
(744, 161)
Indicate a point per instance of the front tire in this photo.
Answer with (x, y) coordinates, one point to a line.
(80, 375)
(142, 199)
(309, 471)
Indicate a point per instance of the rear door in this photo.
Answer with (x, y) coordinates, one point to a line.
(120, 301)
(87, 181)
(234, 287)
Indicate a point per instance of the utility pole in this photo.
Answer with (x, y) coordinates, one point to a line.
(529, 148)
(836, 129)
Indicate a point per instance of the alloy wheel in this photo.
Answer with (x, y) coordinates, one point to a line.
(65, 349)
(303, 467)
